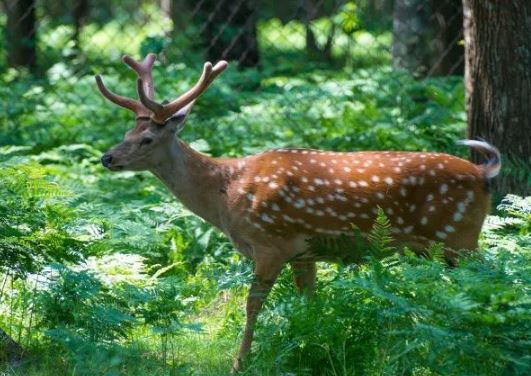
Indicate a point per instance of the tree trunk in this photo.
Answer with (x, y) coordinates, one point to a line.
(448, 53)
(81, 8)
(229, 31)
(426, 36)
(178, 11)
(21, 33)
(410, 30)
(498, 85)
(311, 10)
(10, 351)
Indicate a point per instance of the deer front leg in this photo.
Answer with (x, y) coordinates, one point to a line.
(304, 275)
(265, 275)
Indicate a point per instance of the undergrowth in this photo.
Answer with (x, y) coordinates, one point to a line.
(106, 274)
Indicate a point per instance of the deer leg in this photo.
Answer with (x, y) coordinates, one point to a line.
(304, 275)
(265, 276)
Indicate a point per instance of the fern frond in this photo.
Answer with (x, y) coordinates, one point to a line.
(380, 236)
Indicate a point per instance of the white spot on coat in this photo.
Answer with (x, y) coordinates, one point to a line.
(408, 229)
(288, 218)
(266, 218)
(299, 203)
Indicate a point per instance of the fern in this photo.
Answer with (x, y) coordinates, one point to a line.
(380, 239)
(411, 314)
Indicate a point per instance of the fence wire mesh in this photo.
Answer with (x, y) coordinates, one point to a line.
(51, 49)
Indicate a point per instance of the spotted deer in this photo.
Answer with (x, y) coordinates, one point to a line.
(270, 204)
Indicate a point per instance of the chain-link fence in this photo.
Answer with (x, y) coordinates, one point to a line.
(83, 37)
(51, 49)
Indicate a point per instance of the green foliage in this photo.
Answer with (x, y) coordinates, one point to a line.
(410, 315)
(35, 228)
(135, 284)
(76, 304)
(90, 321)
(380, 236)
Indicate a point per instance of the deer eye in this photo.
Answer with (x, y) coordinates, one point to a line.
(146, 141)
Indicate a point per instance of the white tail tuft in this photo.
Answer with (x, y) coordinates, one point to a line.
(493, 165)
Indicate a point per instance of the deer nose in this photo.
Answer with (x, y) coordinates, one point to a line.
(106, 160)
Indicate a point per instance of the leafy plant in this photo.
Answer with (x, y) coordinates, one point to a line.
(410, 315)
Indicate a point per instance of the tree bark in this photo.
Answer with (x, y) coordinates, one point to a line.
(178, 11)
(80, 13)
(447, 50)
(229, 31)
(426, 36)
(21, 34)
(410, 29)
(313, 50)
(498, 85)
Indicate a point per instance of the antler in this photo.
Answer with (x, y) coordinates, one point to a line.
(143, 70)
(161, 112)
(138, 108)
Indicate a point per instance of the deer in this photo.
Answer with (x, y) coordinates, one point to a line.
(270, 204)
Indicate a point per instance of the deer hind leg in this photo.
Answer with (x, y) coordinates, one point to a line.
(304, 276)
(265, 275)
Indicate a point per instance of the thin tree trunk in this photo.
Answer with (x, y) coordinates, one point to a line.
(427, 36)
(313, 50)
(410, 31)
(311, 41)
(79, 14)
(498, 85)
(21, 33)
(230, 31)
(179, 12)
(447, 50)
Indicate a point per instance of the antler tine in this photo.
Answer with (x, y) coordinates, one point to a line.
(218, 69)
(146, 101)
(143, 70)
(125, 102)
(162, 112)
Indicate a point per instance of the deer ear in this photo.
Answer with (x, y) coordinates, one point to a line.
(176, 122)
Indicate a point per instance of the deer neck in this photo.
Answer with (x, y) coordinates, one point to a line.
(197, 180)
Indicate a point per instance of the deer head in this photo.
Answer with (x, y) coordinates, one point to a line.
(156, 123)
